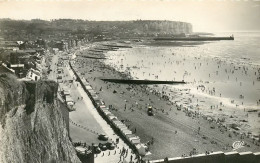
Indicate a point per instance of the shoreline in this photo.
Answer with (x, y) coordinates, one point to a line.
(135, 112)
(214, 92)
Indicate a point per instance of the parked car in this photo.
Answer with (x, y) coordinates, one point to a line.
(103, 137)
(103, 147)
(110, 145)
(96, 149)
(150, 111)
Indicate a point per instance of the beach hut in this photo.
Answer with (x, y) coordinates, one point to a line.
(117, 123)
(83, 80)
(111, 116)
(98, 102)
(66, 92)
(135, 140)
(105, 111)
(108, 113)
(92, 92)
(141, 149)
(95, 97)
(102, 106)
(121, 125)
(68, 99)
(123, 128)
(130, 136)
(126, 131)
(89, 88)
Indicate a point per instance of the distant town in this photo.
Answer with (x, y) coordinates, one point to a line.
(23, 43)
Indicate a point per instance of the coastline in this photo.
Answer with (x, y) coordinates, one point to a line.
(167, 120)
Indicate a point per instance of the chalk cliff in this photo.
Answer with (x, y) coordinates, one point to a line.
(32, 123)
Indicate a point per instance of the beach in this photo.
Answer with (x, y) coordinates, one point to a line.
(175, 129)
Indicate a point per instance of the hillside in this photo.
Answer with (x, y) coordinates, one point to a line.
(65, 28)
(32, 125)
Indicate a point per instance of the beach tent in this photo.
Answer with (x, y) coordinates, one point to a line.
(141, 149)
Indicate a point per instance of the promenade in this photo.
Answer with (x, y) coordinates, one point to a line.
(85, 121)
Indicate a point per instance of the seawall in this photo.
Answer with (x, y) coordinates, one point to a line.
(216, 157)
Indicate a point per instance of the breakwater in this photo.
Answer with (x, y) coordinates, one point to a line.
(193, 38)
(127, 81)
(117, 46)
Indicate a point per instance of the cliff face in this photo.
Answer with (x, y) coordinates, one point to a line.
(172, 27)
(32, 128)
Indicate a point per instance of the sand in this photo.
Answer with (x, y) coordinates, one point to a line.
(174, 132)
(214, 84)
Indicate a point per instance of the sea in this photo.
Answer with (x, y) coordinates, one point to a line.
(222, 77)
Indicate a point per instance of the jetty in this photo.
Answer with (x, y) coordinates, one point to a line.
(130, 81)
(193, 38)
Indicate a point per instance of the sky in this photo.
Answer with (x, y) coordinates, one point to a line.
(204, 15)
